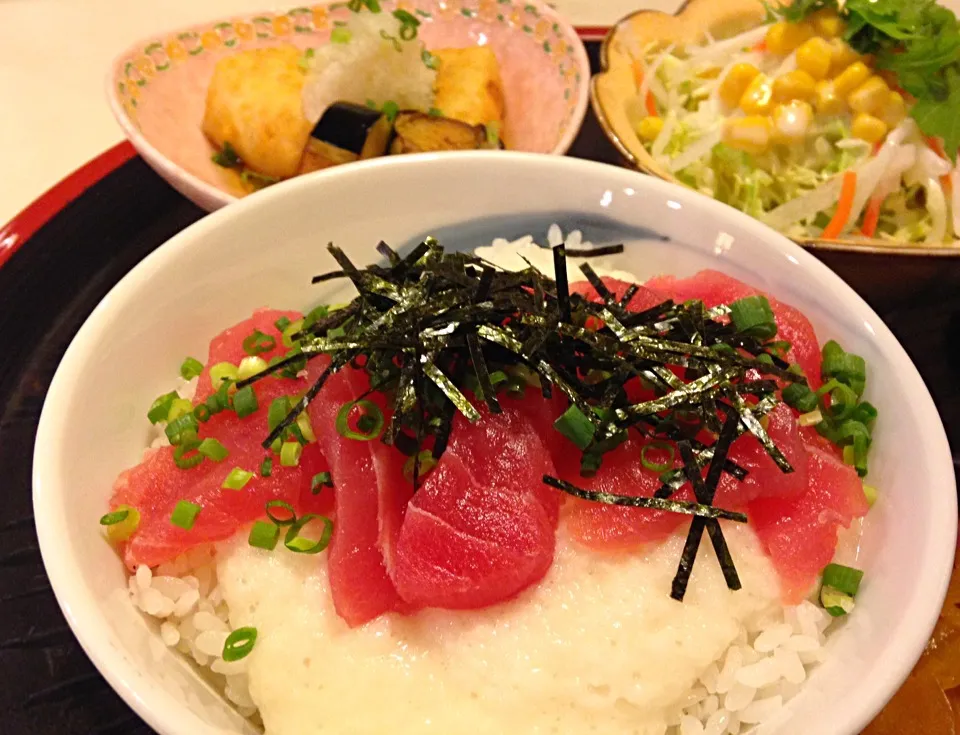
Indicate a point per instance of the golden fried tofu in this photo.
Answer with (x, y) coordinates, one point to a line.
(468, 85)
(254, 102)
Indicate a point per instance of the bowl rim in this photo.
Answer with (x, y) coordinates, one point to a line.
(81, 608)
(196, 189)
(845, 245)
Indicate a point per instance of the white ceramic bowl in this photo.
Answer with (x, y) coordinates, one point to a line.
(264, 250)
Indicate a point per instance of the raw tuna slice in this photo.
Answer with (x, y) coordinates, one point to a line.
(359, 582)
(800, 534)
(611, 527)
(228, 345)
(714, 288)
(644, 298)
(481, 527)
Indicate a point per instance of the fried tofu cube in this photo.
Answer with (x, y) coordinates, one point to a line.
(254, 102)
(468, 85)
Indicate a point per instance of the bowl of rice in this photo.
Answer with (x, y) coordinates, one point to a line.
(598, 636)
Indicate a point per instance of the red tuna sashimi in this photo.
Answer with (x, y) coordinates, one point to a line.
(156, 485)
(359, 583)
(714, 288)
(481, 527)
(800, 534)
(228, 345)
(644, 298)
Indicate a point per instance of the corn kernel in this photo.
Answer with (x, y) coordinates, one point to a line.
(782, 38)
(827, 23)
(841, 56)
(893, 110)
(851, 78)
(750, 134)
(650, 127)
(869, 96)
(756, 98)
(736, 82)
(826, 100)
(868, 128)
(814, 57)
(791, 122)
(794, 85)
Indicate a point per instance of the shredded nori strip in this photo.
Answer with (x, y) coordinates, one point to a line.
(432, 327)
(594, 252)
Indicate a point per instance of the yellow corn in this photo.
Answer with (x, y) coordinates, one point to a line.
(782, 38)
(851, 78)
(827, 23)
(893, 110)
(826, 100)
(736, 82)
(814, 57)
(841, 55)
(794, 85)
(868, 128)
(650, 127)
(751, 134)
(791, 122)
(756, 98)
(869, 96)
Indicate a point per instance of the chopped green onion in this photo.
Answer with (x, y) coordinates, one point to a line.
(811, 418)
(285, 506)
(318, 481)
(237, 479)
(340, 35)
(202, 413)
(842, 401)
(227, 157)
(290, 454)
(264, 535)
(239, 644)
(223, 371)
(870, 493)
(841, 578)
(306, 428)
(213, 449)
(291, 329)
(245, 402)
(390, 110)
(279, 408)
(836, 602)
(250, 366)
(753, 317)
(314, 315)
(266, 467)
(121, 523)
(304, 61)
(657, 446)
(433, 63)
(179, 407)
(493, 133)
(722, 348)
(282, 323)
(590, 463)
(427, 463)
(846, 367)
(574, 425)
(190, 368)
(181, 428)
(433, 111)
(258, 343)
(186, 461)
(160, 408)
(800, 397)
(302, 545)
(368, 428)
(185, 514)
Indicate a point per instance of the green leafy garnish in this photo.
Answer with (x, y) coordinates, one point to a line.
(227, 156)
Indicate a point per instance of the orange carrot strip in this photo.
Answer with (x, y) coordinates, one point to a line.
(649, 101)
(936, 146)
(871, 216)
(947, 183)
(760, 45)
(651, 104)
(844, 206)
(877, 146)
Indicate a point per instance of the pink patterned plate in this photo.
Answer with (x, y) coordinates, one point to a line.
(157, 88)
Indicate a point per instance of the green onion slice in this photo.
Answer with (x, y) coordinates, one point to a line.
(290, 454)
(800, 397)
(237, 479)
(160, 408)
(266, 467)
(179, 407)
(657, 446)
(291, 329)
(213, 449)
(575, 425)
(245, 402)
(848, 368)
(283, 504)
(843, 579)
(121, 523)
(182, 457)
(223, 371)
(835, 602)
(319, 480)
(340, 35)
(185, 514)
(190, 368)
(181, 429)
(870, 492)
(302, 545)
(367, 428)
(264, 535)
(239, 644)
(258, 343)
(427, 463)
(753, 317)
(282, 323)
(250, 366)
